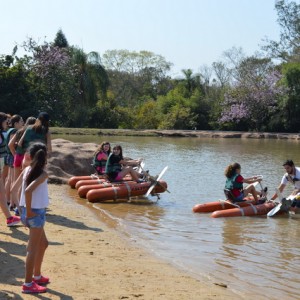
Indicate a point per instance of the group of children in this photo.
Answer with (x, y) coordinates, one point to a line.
(23, 185)
(113, 164)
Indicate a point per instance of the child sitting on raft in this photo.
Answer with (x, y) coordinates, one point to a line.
(117, 168)
(100, 157)
(234, 183)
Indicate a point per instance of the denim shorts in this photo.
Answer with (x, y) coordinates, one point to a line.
(9, 160)
(36, 221)
(240, 197)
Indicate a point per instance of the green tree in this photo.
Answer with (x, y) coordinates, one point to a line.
(15, 95)
(147, 116)
(291, 104)
(288, 47)
(136, 76)
(91, 83)
(60, 40)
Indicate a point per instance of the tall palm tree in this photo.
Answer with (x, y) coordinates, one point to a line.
(93, 79)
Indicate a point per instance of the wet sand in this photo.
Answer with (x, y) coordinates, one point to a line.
(87, 259)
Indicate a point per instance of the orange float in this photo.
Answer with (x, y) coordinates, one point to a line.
(73, 180)
(89, 182)
(221, 204)
(92, 179)
(251, 210)
(83, 189)
(124, 191)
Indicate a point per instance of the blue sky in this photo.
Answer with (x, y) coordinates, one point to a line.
(188, 33)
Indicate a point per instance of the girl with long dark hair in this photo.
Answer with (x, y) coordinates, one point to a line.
(33, 203)
(117, 167)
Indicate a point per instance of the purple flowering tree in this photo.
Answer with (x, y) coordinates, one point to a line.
(252, 99)
(53, 77)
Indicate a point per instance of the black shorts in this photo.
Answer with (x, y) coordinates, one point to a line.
(296, 203)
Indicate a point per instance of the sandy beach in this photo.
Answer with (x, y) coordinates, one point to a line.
(87, 259)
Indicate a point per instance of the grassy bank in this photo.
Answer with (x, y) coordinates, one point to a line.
(175, 133)
(95, 131)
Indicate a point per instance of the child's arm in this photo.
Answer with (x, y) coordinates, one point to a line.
(132, 162)
(17, 183)
(28, 192)
(49, 145)
(11, 144)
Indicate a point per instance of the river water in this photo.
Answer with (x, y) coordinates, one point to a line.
(253, 256)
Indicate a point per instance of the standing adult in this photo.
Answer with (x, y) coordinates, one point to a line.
(291, 176)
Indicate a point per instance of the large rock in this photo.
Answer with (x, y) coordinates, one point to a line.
(70, 159)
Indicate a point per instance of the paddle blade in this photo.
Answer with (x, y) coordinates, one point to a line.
(140, 168)
(156, 181)
(162, 173)
(274, 211)
(152, 186)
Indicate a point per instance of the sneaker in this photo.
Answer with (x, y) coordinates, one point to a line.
(16, 212)
(42, 280)
(140, 181)
(262, 200)
(33, 289)
(12, 221)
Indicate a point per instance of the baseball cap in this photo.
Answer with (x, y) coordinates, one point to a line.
(43, 116)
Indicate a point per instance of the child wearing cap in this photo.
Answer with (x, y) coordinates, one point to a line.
(39, 132)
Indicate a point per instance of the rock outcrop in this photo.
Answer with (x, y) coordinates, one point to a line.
(69, 159)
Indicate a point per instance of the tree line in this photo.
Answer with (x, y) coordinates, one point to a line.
(129, 89)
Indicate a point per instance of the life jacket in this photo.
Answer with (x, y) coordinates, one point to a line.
(99, 165)
(112, 167)
(232, 184)
(3, 152)
(9, 133)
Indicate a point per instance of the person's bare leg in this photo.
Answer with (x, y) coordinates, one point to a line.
(3, 202)
(251, 189)
(35, 235)
(40, 255)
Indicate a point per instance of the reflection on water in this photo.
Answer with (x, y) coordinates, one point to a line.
(254, 256)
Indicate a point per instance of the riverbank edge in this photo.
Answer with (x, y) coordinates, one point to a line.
(89, 260)
(175, 133)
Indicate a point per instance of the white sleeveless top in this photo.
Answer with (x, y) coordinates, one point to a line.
(40, 198)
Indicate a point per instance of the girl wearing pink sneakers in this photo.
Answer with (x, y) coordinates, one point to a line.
(33, 202)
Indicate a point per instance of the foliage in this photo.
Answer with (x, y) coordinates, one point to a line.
(292, 98)
(134, 75)
(60, 40)
(129, 89)
(252, 100)
(288, 47)
(15, 93)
